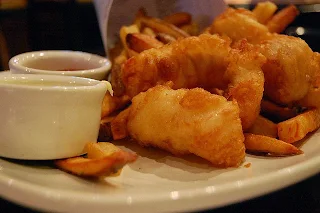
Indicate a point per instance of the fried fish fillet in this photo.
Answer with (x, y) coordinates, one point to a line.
(289, 69)
(206, 61)
(290, 65)
(187, 121)
(239, 24)
(188, 63)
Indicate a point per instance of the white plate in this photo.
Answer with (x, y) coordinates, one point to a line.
(157, 182)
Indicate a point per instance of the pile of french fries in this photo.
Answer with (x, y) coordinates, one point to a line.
(148, 32)
(277, 128)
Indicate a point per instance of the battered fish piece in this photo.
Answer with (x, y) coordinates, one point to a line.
(206, 61)
(187, 121)
(244, 24)
(290, 65)
(188, 63)
(239, 24)
(246, 81)
(289, 70)
(312, 99)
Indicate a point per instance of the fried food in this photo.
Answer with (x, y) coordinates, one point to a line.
(148, 31)
(165, 38)
(105, 133)
(100, 150)
(179, 18)
(276, 112)
(206, 61)
(111, 104)
(264, 11)
(118, 125)
(103, 159)
(190, 62)
(263, 126)
(188, 121)
(124, 31)
(239, 24)
(116, 75)
(245, 81)
(260, 143)
(140, 42)
(192, 29)
(289, 68)
(245, 24)
(159, 25)
(296, 128)
(242, 61)
(312, 99)
(282, 19)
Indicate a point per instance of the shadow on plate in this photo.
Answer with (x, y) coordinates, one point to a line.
(40, 168)
(39, 164)
(165, 165)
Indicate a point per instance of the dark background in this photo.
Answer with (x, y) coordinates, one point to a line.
(50, 25)
(73, 25)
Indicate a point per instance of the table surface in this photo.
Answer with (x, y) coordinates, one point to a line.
(303, 197)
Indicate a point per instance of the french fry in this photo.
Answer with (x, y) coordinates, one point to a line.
(124, 31)
(86, 167)
(192, 29)
(145, 30)
(105, 133)
(261, 143)
(277, 113)
(106, 159)
(148, 31)
(116, 78)
(115, 51)
(206, 30)
(113, 103)
(179, 19)
(165, 38)
(139, 15)
(100, 150)
(161, 26)
(119, 125)
(131, 53)
(264, 11)
(139, 42)
(263, 126)
(298, 127)
(282, 19)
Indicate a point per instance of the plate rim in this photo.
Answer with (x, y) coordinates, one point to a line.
(46, 198)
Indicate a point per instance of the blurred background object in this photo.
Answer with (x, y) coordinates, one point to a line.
(30, 25)
(13, 4)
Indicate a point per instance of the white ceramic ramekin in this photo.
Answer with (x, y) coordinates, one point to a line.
(48, 117)
(61, 62)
